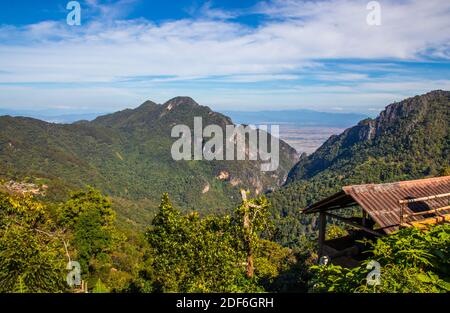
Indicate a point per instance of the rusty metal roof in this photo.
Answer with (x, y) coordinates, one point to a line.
(381, 201)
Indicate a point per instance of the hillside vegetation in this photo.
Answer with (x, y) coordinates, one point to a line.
(408, 140)
(187, 253)
(123, 243)
(127, 155)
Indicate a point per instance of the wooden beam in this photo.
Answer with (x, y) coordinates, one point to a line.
(331, 208)
(428, 221)
(313, 208)
(351, 223)
(322, 231)
(444, 195)
(427, 212)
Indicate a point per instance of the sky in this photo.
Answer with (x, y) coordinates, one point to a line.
(228, 54)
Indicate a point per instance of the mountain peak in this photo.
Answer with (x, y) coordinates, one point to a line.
(181, 100)
(148, 103)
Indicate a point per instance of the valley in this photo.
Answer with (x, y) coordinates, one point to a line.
(138, 221)
(307, 139)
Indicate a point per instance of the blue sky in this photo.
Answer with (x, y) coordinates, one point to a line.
(229, 54)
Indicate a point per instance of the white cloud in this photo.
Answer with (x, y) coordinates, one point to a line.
(110, 10)
(406, 86)
(341, 76)
(209, 12)
(318, 30)
(293, 41)
(257, 78)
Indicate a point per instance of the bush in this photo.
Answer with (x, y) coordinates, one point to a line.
(411, 261)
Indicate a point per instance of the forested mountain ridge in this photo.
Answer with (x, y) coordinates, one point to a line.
(127, 155)
(418, 125)
(409, 139)
(184, 251)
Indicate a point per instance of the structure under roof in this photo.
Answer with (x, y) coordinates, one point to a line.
(391, 205)
(384, 209)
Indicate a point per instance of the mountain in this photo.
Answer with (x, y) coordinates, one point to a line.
(298, 117)
(127, 155)
(409, 139)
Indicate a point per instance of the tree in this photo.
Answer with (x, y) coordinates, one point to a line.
(32, 257)
(90, 220)
(445, 171)
(254, 215)
(411, 261)
(191, 254)
(214, 253)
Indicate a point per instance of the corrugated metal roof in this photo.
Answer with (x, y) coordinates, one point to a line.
(381, 201)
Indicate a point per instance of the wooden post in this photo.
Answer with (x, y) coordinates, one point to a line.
(322, 232)
(364, 218)
(350, 222)
(247, 233)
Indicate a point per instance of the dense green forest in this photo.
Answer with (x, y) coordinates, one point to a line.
(127, 155)
(177, 253)
(125, 242)
(408, 140)
(187, 253)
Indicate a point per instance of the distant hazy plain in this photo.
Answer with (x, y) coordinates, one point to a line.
(306, 139)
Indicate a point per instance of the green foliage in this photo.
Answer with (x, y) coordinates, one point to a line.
(411, 261)
(409, 140)
(188, 252)
(335, 231)
(85, 202)
(31, 252)
(255, 213)
(182, 252)
(100, 287)
(127, 155)
(90, 223)
(332, 278)
(193, 254)
(446, 171)
(20, 286)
